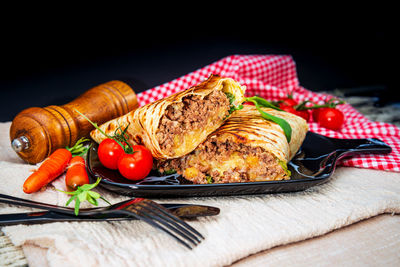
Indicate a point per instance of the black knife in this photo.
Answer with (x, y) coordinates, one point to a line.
(185, 211)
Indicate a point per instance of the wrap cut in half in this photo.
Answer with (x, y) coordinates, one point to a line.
(246, 148)
(174, 126)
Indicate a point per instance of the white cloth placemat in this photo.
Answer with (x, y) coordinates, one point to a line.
(246, 225)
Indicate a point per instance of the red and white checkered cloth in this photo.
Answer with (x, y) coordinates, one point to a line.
(272, 77)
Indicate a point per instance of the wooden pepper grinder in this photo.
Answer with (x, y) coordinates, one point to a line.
(37, 132)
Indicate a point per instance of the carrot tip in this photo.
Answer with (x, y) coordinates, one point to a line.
(26, 190)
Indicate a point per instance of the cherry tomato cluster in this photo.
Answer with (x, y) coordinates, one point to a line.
(326, 115)
(134, 165)
(288, 104)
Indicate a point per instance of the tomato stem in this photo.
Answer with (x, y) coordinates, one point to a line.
(331, 103)
(302, 105)
(79, 148)
(119, 138)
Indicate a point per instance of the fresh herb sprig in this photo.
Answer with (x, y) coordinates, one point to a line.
(79, 149)
(83, 193)
(261, 102)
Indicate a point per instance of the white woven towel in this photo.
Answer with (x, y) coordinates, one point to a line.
(246, 225)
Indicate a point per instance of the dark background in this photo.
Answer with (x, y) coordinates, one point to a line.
(50, 61)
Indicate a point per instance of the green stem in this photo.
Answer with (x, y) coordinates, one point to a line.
(301, 106)
(105, 200)
(331, 103)
(79, 149)
(115, 138)
(327, 105)
(94, 125)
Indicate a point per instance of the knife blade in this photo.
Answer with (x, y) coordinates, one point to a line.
(185, 211)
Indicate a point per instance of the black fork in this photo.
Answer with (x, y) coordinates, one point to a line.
(161, 218)
(139, 208)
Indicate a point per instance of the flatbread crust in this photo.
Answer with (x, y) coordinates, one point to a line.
(144, 121)
(248, 127)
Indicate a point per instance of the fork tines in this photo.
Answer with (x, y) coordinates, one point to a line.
(161, 218)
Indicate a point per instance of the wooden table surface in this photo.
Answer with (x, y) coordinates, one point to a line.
(372, 242)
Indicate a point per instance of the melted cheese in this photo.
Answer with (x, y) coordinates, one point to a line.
(252, 161)
(235, 162)
(190, 140)
(191, 173)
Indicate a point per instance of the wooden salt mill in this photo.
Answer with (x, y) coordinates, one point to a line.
(37, 132)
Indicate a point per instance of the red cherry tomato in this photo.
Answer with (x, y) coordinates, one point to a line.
(331, 118)
(136, 166)
(301, 113)
(315, 113)
(76, 173)
(287, 102)
(287, 108)
(109, 151)
(305, 114)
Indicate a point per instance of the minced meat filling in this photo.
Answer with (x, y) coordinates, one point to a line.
(254, 164)
(192, 113)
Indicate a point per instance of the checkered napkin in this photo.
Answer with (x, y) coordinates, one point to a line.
(273, 77)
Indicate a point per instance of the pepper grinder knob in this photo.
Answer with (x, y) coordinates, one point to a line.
(20, 143)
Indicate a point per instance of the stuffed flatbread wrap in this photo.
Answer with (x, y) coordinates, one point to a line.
(246, 148)
(174, 126)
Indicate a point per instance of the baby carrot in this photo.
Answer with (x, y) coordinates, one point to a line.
(76, 173)
(52, 167)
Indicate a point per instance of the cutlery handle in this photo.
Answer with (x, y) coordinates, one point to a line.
(185, 211)
(37, 132)
(34, 218)
(50, 216)
(33, 204)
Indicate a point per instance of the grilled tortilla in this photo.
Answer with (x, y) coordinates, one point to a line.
(174, 126)
(245, 148)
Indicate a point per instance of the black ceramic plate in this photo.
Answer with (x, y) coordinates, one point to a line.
(313, 165)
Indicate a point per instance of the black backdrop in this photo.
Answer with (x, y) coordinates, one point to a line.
(51, 62)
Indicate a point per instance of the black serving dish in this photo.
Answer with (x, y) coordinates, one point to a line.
(314, 163)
